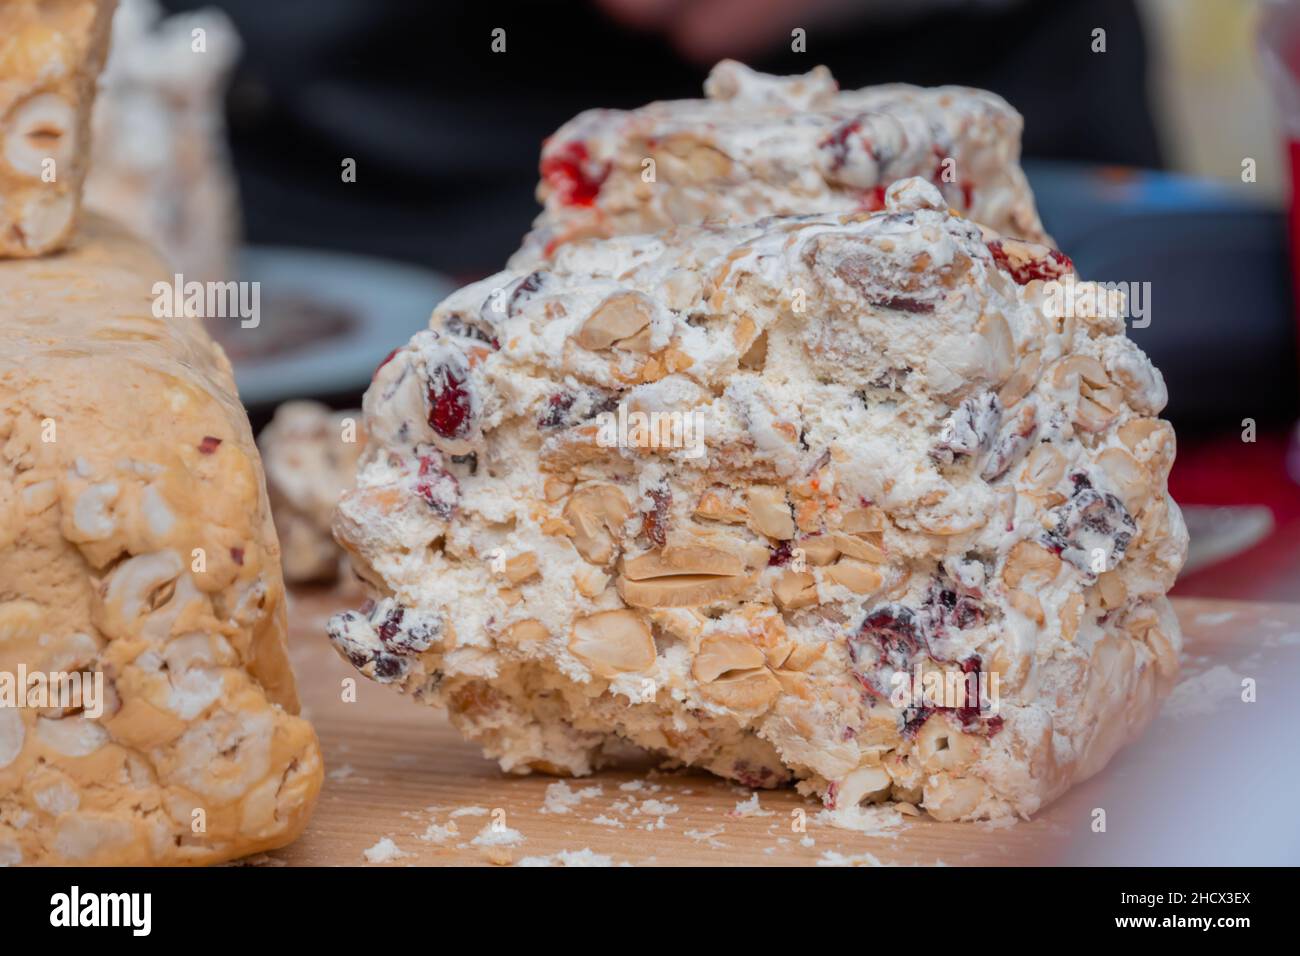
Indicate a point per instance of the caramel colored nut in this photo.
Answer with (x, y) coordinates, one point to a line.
(862, 784)
(769, 513)
(755, 357)
(857, 576)
(687, 559)
(1026, 604)
(940, 746)
(1086, 369)
(682, 623)
(819, 549)
(1002, 347)
(596, 513)
(795, 589)
(42, 127)
(1098, 408)
(708, 164)
(526, 632)
(1071, 614)
(555, 489)
(1112, 590)
(682, 590)
(612, 643)
(1099, 401)
(743, 690)
(590, 582)
(1031, 564)
(1022, 380)
(1130, 479)
(803, 656)
(522, 567)
(721, 653)
(716, 507)
(864, 520)
(865, 546)
(1044, 468)
(619, 317)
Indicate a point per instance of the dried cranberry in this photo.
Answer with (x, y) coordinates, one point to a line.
(449, 405)
(902, 303)
(209, 444)
(569, 170)
(522, 291)
(889, 637)
(438, 487)
(1050, 264)
(781, 554)
(237, 555)
(1088, 522)
(654, 523)
(391, 624)
(836, 143)
(556, 410)
(456, 324)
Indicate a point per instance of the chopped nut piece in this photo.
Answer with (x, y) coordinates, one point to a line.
(1030, 563)
(769, 513)
(526, 632)
(795, 589)
(682, 590)
(688, 559)
(597, 512)
(621, 316)
(612, 643)
(522, 567)
(720, 653)
(857, 576)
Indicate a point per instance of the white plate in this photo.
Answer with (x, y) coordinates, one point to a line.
(327, 319)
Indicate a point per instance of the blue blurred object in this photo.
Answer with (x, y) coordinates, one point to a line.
(328, 320)
(1222, 329)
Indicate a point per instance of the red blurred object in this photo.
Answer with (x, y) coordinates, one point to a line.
(1229, 471)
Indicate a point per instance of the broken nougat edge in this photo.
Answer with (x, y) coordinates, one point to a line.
(907, 463)
(51, 53)
(762, 145)
(309, 463)
(136, 541)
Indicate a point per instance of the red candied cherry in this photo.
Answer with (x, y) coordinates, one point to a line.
(568, 169)
(449, 405)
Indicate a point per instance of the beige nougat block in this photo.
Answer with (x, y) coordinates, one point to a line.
(136, 543)
(51, 52)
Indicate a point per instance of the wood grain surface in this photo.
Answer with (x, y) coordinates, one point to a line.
(399, 771)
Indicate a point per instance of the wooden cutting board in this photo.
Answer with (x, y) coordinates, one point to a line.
(398, 770)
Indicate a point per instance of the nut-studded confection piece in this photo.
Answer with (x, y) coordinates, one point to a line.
(136, 548)
(51, 52)
(160, 164)
(831, 452)
(764, 145)
(310, 454)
